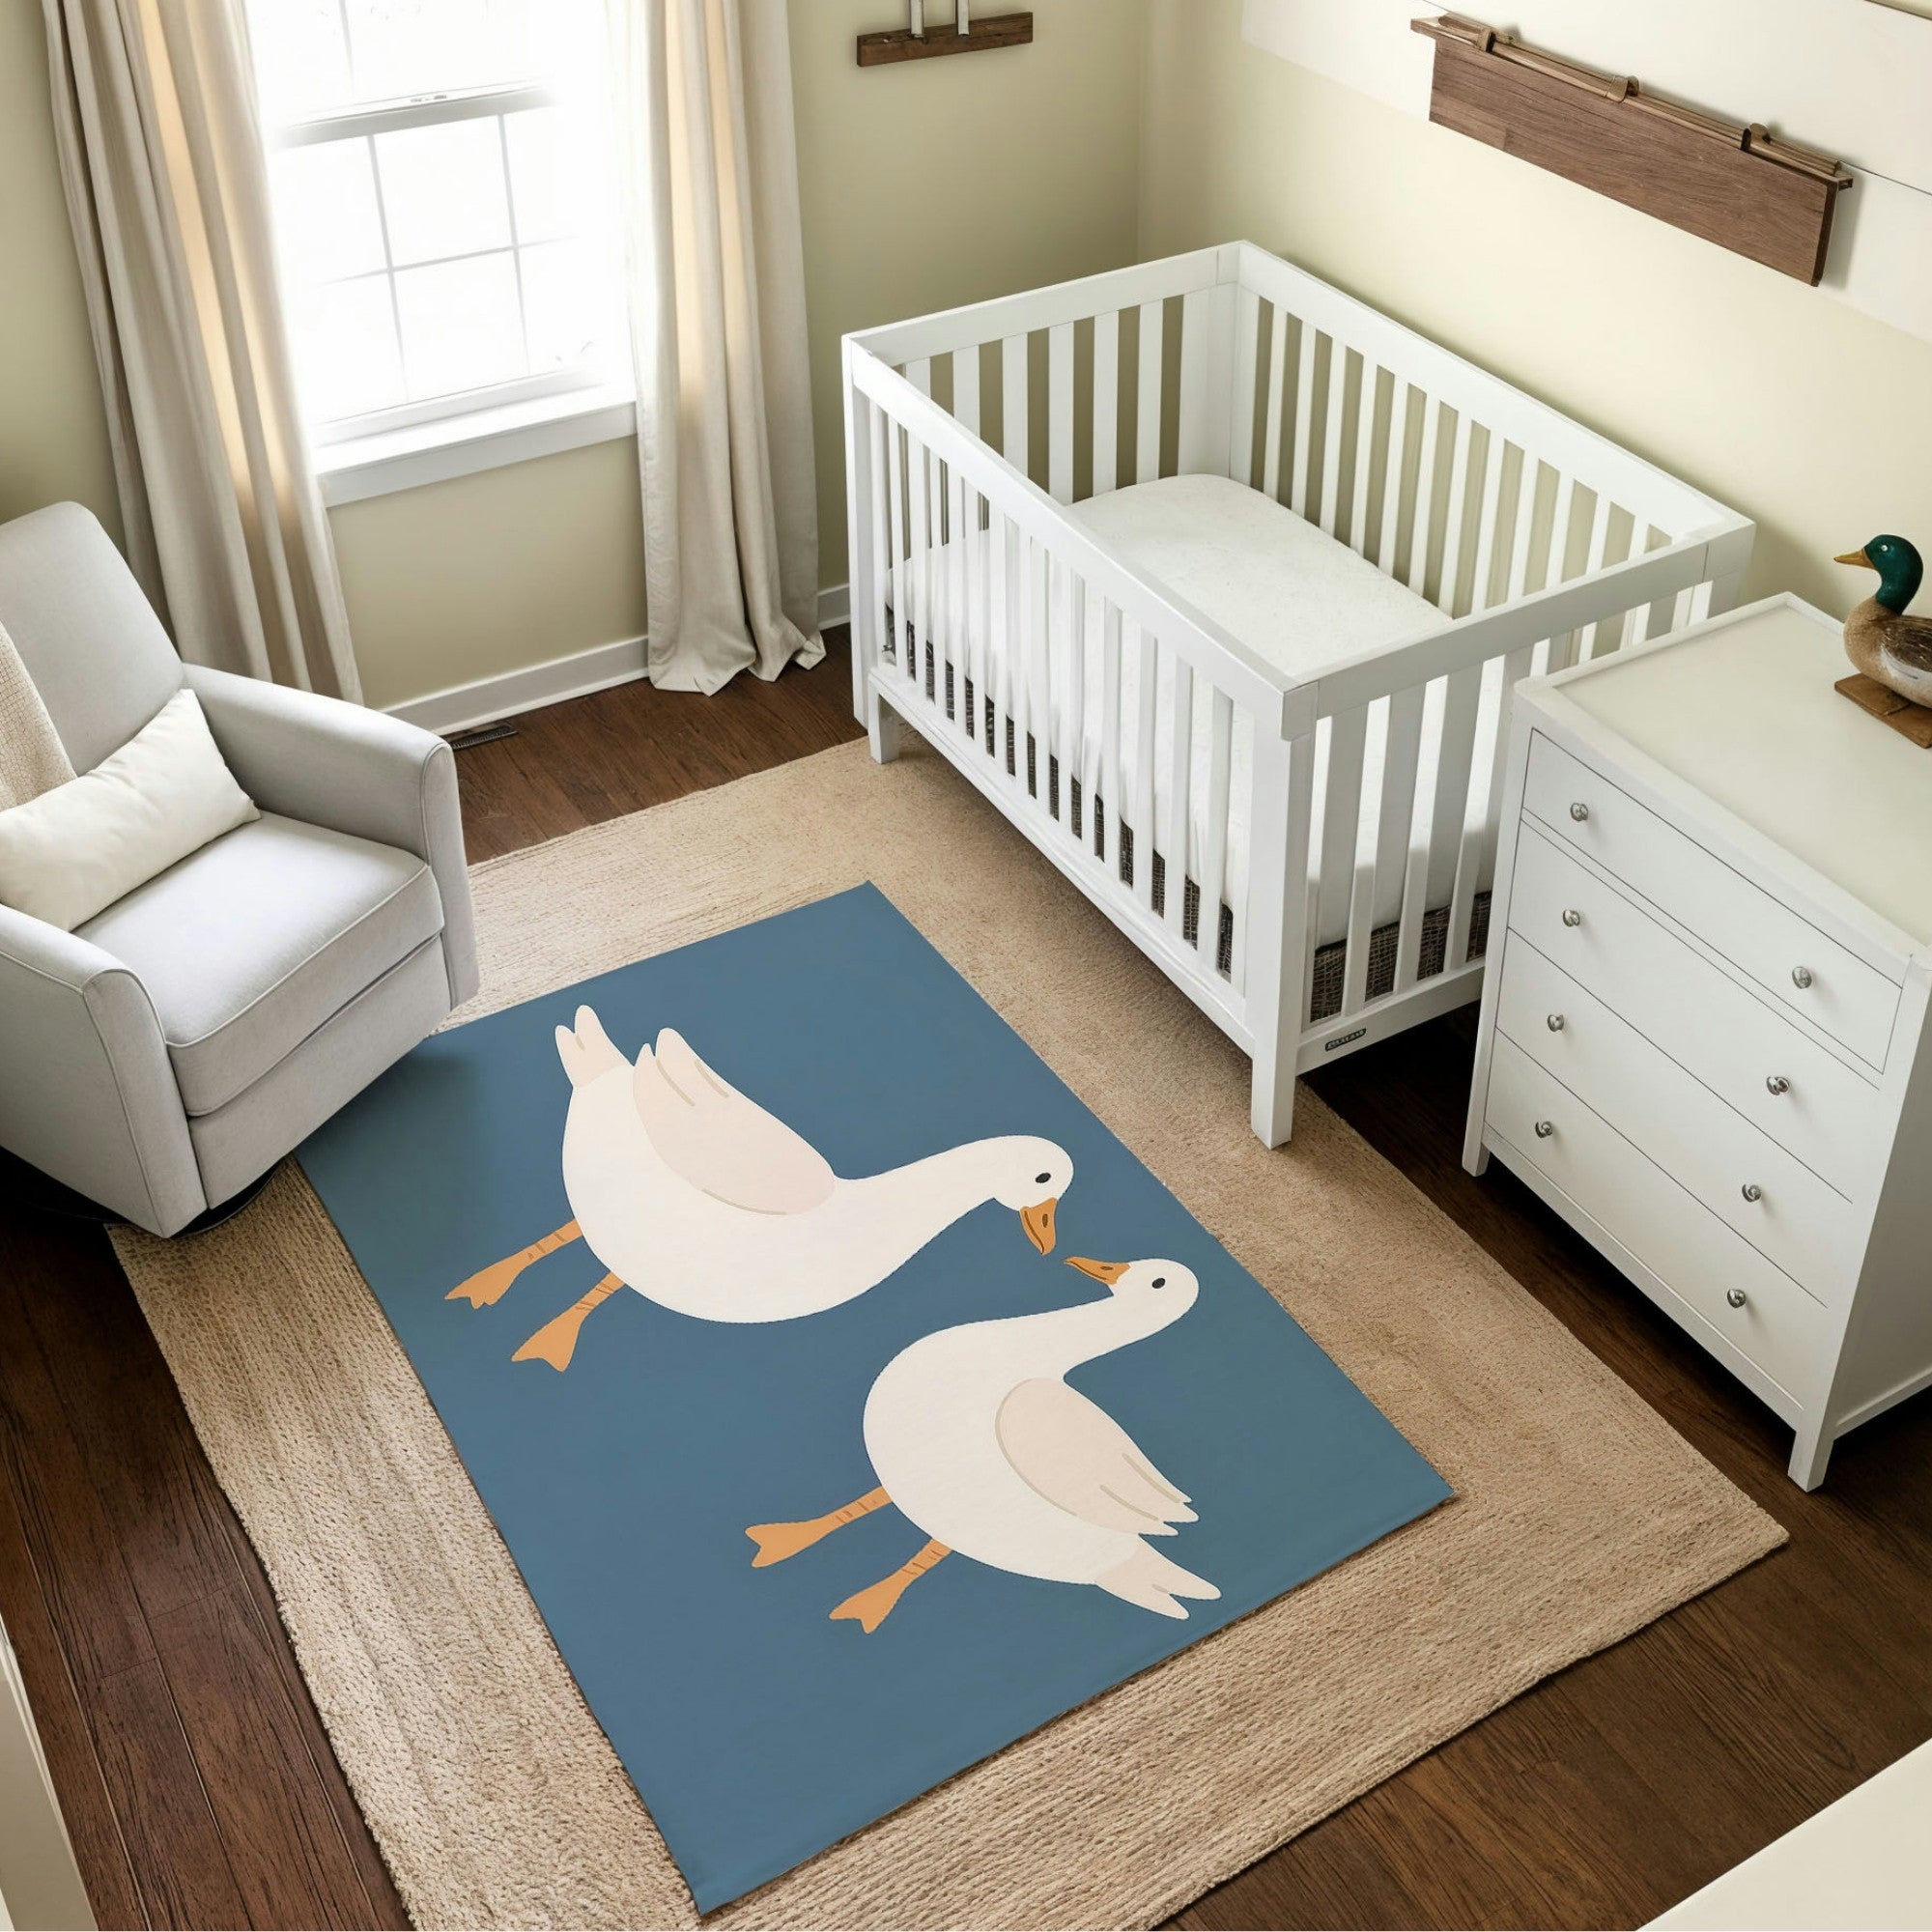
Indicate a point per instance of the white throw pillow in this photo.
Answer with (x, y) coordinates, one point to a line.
(166, 793)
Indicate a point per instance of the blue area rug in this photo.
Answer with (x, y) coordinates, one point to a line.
(864, 1482)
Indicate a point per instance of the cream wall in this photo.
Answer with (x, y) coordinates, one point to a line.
(53, 437)
(922, 186)
(1798, 411)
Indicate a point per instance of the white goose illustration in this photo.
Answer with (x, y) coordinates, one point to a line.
(700, 1200)
(975, 1437)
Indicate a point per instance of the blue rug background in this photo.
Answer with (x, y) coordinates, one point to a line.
(757, 1731)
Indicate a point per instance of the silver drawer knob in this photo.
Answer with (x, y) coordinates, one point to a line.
(1736, 1296)
(1571, 917)
(1579, 811)
(1801, 977)
(1752, 1191)
(1544, 1128)
(1557, 1022)
(1777, 1085)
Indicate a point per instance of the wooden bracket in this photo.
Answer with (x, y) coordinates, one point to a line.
(997, 30)
(1737, 185)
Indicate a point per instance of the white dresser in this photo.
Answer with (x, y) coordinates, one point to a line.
(1703, 1037)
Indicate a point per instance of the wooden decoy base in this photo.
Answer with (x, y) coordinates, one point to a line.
(1908, 720)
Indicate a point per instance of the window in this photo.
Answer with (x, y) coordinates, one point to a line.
(438, 170)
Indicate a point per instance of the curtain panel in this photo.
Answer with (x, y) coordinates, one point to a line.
(167, 191)
(708, 166)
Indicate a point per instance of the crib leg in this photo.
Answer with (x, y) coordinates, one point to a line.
(882, 729)
(1272, 1100)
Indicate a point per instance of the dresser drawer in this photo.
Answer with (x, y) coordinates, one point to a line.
(1780, 1079)
(1762, 1193)
(1786, 955)
(1788, 1337)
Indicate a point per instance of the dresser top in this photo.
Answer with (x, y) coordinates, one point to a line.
(1743, 710)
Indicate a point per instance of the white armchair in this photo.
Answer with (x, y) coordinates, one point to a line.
(166, 1054)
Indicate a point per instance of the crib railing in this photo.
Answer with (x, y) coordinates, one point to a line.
(1002, 626)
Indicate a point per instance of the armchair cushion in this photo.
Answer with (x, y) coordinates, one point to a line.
(249, 945)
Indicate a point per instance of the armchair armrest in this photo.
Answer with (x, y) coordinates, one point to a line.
(355, 771)
(87, 1091)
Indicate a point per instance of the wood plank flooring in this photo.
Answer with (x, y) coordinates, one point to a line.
(200, 1789)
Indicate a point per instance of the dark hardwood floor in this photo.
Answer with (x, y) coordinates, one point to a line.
(200, 1788)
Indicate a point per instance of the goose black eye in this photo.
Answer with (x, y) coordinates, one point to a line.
(1042, 1180)
(1160, 1281)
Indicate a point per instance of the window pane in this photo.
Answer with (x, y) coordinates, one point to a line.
(442, 189)
(567, 303)
(301, 60)
(404, 47)
(461, 327)
(326, 211)
(346, 348)
(544, 164)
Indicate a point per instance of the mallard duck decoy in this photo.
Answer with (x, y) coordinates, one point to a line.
(1886, 645)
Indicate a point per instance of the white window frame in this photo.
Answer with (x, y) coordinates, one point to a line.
(437, 438)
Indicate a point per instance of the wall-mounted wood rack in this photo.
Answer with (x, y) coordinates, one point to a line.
(997, 30)
(1732, 185)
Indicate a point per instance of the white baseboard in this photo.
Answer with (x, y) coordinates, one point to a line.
(463, 708)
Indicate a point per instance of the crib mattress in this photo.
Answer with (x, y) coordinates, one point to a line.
(1297, 598)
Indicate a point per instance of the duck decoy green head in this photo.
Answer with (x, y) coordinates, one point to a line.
(1901, 569)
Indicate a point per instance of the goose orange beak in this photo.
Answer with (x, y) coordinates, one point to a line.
(1854, 557)
(1108, 1271)
(1038, 1221)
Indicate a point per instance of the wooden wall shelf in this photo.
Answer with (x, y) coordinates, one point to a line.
(1735, 185)
(997, 30)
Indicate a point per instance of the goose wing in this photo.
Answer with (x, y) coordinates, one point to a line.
(1082, 1461)
(708, 1133)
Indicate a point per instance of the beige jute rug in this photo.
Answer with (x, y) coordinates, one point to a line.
(1579, 1515)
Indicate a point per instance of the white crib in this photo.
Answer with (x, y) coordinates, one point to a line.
(1217, 582)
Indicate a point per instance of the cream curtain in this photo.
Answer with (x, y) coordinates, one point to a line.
(716, 283)
(167, 189)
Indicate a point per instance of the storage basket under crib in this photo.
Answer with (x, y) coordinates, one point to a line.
(1217, 583)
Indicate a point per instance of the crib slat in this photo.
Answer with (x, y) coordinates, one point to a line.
(1639, 623)
(1110, 740)
(1365, 455)
(1106, 402)
(1480, 847)
(1215, 855)
(1488, 515)
(901, 570)
(1004, 611)
(1202, 432)
(1179, 837)
(1025, 644)
(1401, 760)
(1277, 398)
(958, 594)
(920, 504)
(1452, 537)
(1145, 697)
(1460, 702)
(1304, 427)
(1334, 890)
(1060, 413)
(935, 577)
(1593, 561)
(1425, 497)
(1241, 423)
(973, 618)
(1398, 449)
(1013, 409)
(1147, 437)
(966, 388)
(1070, 646)
(884, 561)
(1522, 536)
(1339, 358)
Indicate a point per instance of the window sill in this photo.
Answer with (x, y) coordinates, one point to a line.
(406, 459)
